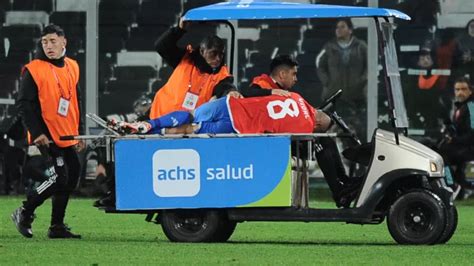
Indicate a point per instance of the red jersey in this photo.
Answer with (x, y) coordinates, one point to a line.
(271, 114)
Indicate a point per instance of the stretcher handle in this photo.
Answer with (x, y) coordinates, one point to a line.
(85, 137)
(70, 137)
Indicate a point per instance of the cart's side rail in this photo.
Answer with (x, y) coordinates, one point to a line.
(297, 136)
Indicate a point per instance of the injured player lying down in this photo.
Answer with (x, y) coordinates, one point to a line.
(268, 114)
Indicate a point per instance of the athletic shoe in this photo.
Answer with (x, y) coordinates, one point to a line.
(106, 202)
(467, 193)
(23, 222)
(61, 231)
(348, 193)
(345, 200)
(456, 191)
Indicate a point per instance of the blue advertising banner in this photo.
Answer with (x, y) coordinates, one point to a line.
(202, 173)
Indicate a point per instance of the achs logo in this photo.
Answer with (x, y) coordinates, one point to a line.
(176, 173)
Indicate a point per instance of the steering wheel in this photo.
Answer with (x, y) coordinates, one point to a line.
(330, 101)
(326, 106)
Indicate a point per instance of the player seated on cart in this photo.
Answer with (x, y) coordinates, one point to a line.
(268, 114)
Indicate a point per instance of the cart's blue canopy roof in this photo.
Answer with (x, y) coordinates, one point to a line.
(248, 9)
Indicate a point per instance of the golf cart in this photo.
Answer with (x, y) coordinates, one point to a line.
(198, 187)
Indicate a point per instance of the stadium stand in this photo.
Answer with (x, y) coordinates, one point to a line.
(143, 37)
(128, 26)
(33, 5)
(39, 18)
(2, 14)
(127, 58)
(5, 5)
(74, 24)
(134, 72)
(152, 13)
(189, 4)
(116, 91)
(165, 72)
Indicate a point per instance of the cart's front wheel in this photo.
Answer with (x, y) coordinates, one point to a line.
(194, 225)
(451, 225)
(417, 217)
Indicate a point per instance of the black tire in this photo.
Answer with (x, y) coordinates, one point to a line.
(191, 225)
(226, 230)
(417, 217)
(451, 225)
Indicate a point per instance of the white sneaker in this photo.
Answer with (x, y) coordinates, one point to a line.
(467, 193)
(456, 191)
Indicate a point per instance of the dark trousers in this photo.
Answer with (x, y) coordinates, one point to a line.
(13, 159)
(330, 162)
(457, 155)
(58, 184)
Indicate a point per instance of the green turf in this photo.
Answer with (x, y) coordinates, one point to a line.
(128, 239)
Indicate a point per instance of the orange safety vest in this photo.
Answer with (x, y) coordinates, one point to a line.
(53, 83)
(186, 77)
(427, 83)
(264, 81)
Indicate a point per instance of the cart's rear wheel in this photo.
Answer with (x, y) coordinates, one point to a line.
(451, 225)
(195, 226)
(227, 228)
(417, 217)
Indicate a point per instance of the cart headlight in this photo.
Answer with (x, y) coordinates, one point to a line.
(433, 167)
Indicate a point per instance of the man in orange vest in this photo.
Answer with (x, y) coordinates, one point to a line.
(428, 89)
(282, 78)
(49, 105)
(198, 74)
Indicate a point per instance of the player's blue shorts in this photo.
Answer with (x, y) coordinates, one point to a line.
(213, 117)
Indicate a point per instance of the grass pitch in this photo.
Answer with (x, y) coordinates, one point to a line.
(128, 239)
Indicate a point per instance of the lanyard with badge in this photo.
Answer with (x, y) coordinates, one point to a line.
(64, 100)
(192, 96)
